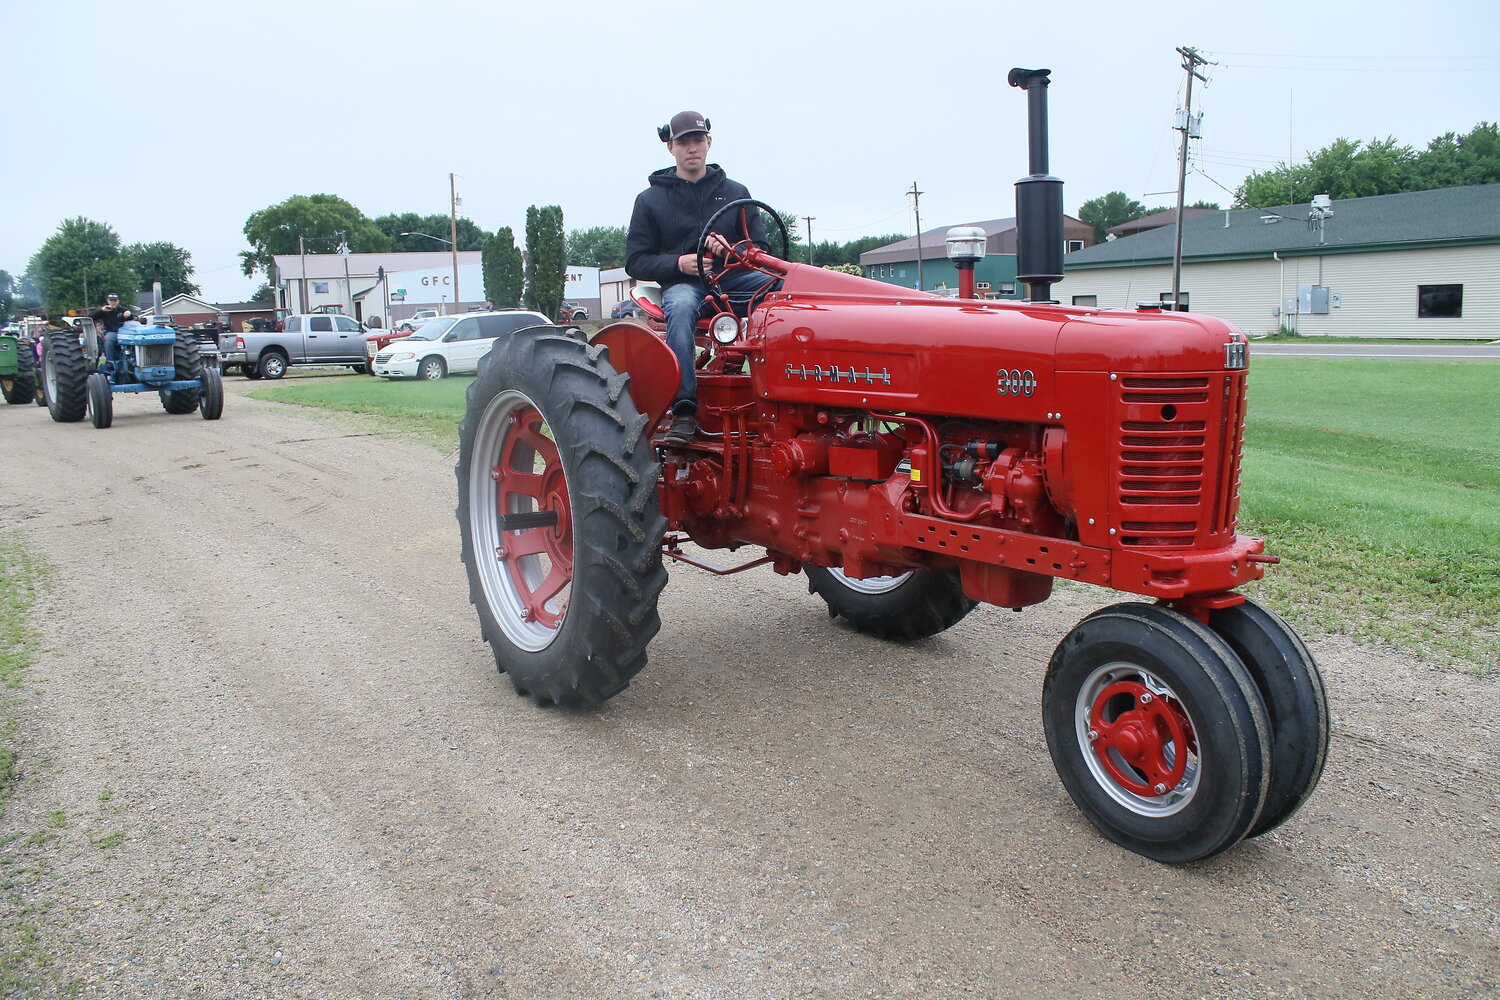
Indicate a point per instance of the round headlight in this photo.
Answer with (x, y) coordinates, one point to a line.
(725, 328)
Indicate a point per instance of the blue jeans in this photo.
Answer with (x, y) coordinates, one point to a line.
(112, 345)
(681, 303)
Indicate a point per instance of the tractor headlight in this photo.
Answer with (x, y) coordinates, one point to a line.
(725, 328)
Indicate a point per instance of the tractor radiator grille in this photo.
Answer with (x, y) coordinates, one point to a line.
(154, 356)
(1178, 456)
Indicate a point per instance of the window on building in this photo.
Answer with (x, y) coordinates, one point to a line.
(320, 287)
(1440, 301)
(1085, 300)
(1074, 245)
(902, 274)
(1007, 288)
(1182, 301)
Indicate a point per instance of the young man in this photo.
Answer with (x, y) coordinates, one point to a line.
(665, 227)
(111, 317)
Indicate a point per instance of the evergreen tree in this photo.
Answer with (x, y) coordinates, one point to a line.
(546, 260)
(503, 277)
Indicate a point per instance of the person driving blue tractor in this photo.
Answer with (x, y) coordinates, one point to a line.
(113, 316)
(662, 246)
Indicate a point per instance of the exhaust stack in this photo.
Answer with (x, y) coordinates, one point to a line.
(1039, 202)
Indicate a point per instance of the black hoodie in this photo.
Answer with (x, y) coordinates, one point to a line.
(669, 217)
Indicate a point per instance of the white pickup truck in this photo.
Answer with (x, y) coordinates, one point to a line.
(304, 339)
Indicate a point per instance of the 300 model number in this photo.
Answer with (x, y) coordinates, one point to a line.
(1015, 382)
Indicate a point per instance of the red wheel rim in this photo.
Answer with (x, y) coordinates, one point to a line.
(534, 520)
(1141, 739)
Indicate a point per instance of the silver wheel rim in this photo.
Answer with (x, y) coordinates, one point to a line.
(506, 605)
(870, 584)
(1153, 806)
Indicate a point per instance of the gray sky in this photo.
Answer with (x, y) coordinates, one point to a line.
(822, 109)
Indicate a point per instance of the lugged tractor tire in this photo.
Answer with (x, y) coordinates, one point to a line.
(560, 519)
(66, 376)
(913, 605)
(189, 364)
(22, 388)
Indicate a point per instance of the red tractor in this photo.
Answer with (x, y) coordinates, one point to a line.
(914, 456)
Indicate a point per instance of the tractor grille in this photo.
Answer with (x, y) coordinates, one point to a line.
(154, 356)
(1178, 459)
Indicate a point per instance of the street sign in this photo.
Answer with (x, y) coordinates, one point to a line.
(401, 292)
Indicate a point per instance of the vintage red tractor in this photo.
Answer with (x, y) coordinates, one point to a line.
(913, 456)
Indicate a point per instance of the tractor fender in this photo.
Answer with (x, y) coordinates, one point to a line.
(645, 357)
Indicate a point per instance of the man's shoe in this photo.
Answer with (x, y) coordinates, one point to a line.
(684, 428)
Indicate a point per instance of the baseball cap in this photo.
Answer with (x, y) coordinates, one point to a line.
(111, 295)
(684, 122)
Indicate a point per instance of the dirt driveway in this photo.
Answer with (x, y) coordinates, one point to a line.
(264, 754)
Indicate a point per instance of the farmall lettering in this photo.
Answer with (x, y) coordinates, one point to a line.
(907, 453)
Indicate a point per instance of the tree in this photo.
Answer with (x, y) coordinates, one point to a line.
(1343, 169)
(1110, 210)
(78, 265)
(851, 250)
(1454, 161)
(176, 267)
(503, 272)
(546, 260)
(263, 294)
(7, 295)
(599, 246)
(321, 220)
(470, 236)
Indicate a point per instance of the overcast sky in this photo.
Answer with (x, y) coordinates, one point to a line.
(175, 119)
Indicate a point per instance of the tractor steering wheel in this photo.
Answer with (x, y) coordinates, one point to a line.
(738, 257)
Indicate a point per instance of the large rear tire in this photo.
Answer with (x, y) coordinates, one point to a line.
(211, 399)
(910, 606)
(1158, 732)
(22, 387)
(66, 376)
(101, 400)
(560, 518)
(189, 364)
(1296, 705)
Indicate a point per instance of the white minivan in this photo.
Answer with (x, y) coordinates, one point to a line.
(451, 343)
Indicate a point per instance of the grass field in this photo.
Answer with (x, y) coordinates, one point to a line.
(1377, 482)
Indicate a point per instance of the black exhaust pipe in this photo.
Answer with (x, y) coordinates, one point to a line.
(1039, 199)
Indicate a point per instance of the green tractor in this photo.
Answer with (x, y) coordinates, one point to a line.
(17, 368)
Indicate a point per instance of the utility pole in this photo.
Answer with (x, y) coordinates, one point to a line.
(809, 220)
(453, 233)
(1191, 60)
(916, 206)
(302, 295)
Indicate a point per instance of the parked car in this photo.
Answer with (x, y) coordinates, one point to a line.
(451, 343)
(625, 309)
(572, 312)
(414, 322)
(305, 339)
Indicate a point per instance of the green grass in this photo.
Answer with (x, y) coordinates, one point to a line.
(22, 576)
(428, 412)
(1377, 482)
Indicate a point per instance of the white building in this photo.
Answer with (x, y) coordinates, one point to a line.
(1421, 264)
(387, 286)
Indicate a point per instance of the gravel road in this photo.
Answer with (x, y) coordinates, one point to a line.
(264, 754)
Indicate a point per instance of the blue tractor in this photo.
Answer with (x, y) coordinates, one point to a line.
(156, 359)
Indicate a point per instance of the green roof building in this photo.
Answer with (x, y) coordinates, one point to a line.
(1421, 264)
